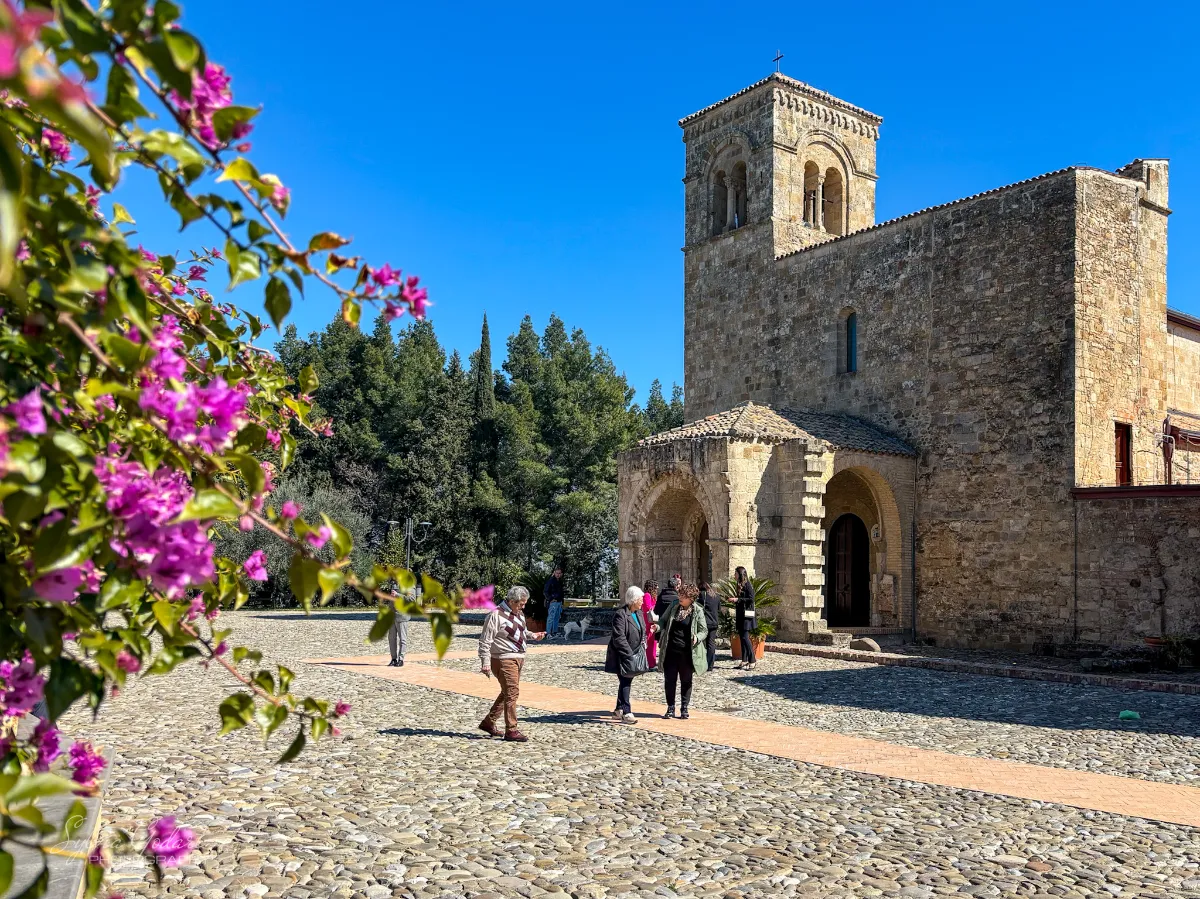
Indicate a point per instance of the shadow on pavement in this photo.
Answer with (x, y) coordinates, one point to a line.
(946, 695)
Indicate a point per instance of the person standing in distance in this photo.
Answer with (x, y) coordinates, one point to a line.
(670, 594)
(712, 617)
(744, 616)
(553, 594)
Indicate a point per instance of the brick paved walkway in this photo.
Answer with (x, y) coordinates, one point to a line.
(1119, 795)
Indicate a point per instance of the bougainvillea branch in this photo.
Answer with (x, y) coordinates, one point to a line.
(137, 415)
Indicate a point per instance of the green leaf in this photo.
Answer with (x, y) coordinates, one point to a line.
(279, 301)
(185, 50)
(121, 214)
(209, 503)
(69, 443)
(287, 450)
(225, 119)
(236, 712)
(252, 472)
(285, 678)
(383, 623)
(38, 888)
(37, 786)
(443, 633)
(239, 170)
(308, 380)
(342, 541)
(304, 576)
(167, 614)
(50, 545)
(331, 581)
(244, 265)
(6, 872)
(11, 189)
(294, 749)
(68, 681)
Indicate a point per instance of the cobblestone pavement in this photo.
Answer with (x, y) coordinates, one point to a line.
(412, 801)
(1041, 723)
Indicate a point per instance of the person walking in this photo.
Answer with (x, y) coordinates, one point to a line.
(552, 592)
(744, 616)
(684, 630)
(626, 657)
(649, 619)
(502, 653)
(670, 594)
(712, 617)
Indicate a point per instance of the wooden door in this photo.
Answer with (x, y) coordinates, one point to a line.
(849, 603)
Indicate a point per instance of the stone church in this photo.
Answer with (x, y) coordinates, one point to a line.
(978, 423)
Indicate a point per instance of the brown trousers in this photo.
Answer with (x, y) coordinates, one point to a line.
(508, 675)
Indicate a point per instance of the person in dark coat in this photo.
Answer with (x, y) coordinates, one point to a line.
(552, 592)
(744, 616)
(669, 594)
(628, 636)
(712, 617)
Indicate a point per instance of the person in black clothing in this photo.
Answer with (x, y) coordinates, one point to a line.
(627, 641)
(670, 594)
(744, 616)
(683, 632)
(712, 617)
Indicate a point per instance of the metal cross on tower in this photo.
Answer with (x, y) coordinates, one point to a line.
(779, 56)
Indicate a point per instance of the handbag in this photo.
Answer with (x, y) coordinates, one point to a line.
(639, 664)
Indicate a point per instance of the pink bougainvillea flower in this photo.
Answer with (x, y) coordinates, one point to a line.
(385, 276)
(22, 249)
(195, 608)
(318, 538)
(58, 146)
(20, 686)
(169, 844)
(26, 24)
(128, 662)
(93, 195)
(416, 297)
(9, 51)
(47, 744)
(483, 598)
(274, 438)
(27, 412)
(221, 649)
(60, 585)
(393, 310)
(196, 273)
(289, 511)
(85, 763)
(256, 566)
(341, 709)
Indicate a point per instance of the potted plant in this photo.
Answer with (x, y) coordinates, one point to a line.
(764, 626)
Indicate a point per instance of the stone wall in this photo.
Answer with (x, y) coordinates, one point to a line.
(965, 351)
(1139, 564)
(1121, 350)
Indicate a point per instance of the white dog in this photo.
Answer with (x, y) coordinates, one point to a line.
(572, 626)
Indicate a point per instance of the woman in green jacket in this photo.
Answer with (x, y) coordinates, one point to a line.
(681, 650)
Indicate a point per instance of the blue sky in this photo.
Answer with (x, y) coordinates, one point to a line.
(526, 158)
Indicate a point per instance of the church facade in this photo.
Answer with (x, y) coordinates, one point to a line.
(977, 423)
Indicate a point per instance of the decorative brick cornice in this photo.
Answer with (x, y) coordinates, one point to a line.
(1148, 491)
(794, 86)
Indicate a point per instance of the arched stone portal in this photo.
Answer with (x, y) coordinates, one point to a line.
(674, 537)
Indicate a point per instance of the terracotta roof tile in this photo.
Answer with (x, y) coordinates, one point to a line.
(754, 421)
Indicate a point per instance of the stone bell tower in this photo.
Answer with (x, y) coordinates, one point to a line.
(775, 168)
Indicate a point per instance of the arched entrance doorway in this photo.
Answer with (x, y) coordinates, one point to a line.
(675, 538)
(848, 578)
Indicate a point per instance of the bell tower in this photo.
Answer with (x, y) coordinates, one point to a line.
(792, 164)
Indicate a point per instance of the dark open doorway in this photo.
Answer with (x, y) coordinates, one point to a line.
(848, 563)
(703, 556)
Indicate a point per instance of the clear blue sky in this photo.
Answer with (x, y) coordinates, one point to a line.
(526, 159)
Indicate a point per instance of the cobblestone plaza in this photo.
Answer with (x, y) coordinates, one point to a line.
(412, 800)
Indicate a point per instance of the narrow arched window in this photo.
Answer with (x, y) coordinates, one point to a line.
(720, 203)
(739, 188)
(833, 203)
(851, 343)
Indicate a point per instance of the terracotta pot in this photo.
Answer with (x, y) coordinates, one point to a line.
(735, 644)
(1155, 641)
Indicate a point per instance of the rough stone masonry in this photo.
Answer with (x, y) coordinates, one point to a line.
(899, 423)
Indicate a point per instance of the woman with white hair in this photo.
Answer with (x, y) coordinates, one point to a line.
(502, 653)
(627, 652)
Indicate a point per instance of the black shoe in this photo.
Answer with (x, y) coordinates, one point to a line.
(392, 663)
(670, 712)
(683, 713)
(399, 663)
